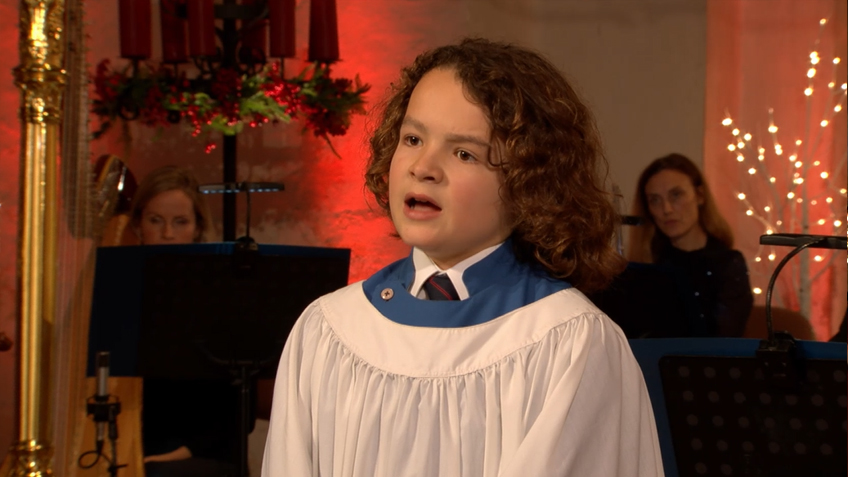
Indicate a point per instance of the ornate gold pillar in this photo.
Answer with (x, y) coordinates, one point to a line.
(41, 79)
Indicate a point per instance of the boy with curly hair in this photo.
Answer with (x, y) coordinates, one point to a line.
(476, 355)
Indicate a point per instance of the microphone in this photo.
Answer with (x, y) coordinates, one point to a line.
(102, 395)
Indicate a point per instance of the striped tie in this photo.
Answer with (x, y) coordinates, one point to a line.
(439, 287)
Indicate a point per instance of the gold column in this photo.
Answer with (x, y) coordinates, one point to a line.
(41, 79)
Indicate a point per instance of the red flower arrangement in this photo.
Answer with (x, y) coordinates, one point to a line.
(226, 102)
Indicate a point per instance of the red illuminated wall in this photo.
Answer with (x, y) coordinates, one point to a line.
(9, 148)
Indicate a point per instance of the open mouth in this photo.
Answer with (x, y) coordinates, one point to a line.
(421, 203)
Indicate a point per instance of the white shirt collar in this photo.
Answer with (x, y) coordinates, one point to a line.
(424, 268)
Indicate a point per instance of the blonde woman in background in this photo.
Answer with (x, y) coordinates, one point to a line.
(169, 209)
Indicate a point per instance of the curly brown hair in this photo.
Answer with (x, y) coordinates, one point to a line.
(646, 241)
(552, 164)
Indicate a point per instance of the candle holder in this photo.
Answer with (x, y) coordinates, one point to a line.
(235, 84)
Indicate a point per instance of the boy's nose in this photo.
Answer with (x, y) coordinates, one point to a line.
(426, 167)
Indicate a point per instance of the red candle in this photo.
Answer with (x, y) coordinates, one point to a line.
(134, 16)
(201, 27)
(281, 14)
(173, 32)
(254, 37)
(323, 31)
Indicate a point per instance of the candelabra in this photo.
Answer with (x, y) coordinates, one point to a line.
(244, 34)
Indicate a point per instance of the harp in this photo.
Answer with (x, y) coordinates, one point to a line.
(64, 213)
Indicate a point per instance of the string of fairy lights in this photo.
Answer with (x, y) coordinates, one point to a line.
(784, 205)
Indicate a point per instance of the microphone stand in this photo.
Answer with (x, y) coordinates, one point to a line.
(105, 412)
(778, 351)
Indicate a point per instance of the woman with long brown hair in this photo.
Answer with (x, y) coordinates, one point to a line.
(683, 228)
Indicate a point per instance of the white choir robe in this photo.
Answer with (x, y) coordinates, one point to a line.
(550, 389)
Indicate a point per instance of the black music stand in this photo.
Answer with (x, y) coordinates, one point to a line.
(206, 311)
(719, 411)
(728, 406)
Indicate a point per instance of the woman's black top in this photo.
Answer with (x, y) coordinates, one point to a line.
(718, 278)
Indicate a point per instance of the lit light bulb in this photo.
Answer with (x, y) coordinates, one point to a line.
(772, 180)
(822, 221)
(818, 258)
(831, 85)
(837, 223)
(747, 136)
(837, 108)
(761, 157)
(808, 91)
(793, 157)
(727, 122)
(749, 212)
(799, 200)
(740, 144)
(758, 259)
(799, 180)
(767, 208)
(772, 128)
(757, 290)
(822, 21)
(815, 60)
(740, 158)
(829, 200)
(823, 175)
(741, 196)
(752, 171)
(824, 123)
(836, 60)
(798, 164)
(790, 195)
(816, 163)
(814, 202)
(842, 191)
(811, 72)
(769, 231)
(735, 131)
(779, 222)
(771, 257)
(731, 147)
(761, 150)
(844, 86)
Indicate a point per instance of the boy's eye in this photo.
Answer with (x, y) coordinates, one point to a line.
(411, 140)
(465, 156)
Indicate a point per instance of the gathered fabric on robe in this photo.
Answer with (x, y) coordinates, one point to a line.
(550, 388)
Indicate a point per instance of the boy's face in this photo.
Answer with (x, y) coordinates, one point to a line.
(443, 192)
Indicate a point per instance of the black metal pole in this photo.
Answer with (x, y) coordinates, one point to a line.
(244, 415)
(230, 147)
(229, 44)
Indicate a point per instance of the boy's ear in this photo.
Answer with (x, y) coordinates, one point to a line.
(699, 192)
